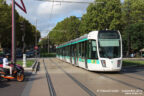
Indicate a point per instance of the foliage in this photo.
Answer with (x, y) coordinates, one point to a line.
(5, 28)
(65, 30)
(102, 16)
(132, 18)
(133, 11)
(136, 32)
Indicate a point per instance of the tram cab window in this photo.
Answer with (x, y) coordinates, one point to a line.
(92, 49)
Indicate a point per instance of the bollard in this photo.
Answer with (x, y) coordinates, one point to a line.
(33, 67)
(38, 67)
(24, 60)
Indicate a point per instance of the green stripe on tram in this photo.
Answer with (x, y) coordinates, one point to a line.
(81, 60)
(73, 43)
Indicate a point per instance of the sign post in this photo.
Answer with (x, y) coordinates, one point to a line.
(13, 33)
(13, 59)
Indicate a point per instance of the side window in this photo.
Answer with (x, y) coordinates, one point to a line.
(68, 50)
(66, 53)
(83, 49)
(77, 49)
(72, 51)
(92, 49)
(79, 52)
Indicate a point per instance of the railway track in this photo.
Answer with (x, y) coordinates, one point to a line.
(50, 84)
(75, 80)
(58, 65)
(121, 82)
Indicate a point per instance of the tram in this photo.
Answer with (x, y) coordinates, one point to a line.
(95, 51)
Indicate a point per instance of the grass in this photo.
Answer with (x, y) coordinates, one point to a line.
(133, 63)
(28, 62)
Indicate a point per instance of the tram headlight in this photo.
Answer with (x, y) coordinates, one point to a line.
(118, 63)
(103, 63)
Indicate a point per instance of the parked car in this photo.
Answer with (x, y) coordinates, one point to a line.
(28, 55)
(19, 55)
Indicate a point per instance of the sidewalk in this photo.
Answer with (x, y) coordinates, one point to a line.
(37, 85)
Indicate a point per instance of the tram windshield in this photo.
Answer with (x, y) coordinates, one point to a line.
(109, 44)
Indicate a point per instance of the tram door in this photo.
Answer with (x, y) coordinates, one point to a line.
(83, 54)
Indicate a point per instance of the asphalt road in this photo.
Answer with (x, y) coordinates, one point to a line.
(13, 87)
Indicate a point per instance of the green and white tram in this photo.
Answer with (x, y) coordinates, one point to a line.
(95, 51)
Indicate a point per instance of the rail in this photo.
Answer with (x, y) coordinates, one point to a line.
(50, 85)
(76, 81)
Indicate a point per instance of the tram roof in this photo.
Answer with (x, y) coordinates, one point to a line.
(77, 40)
(90, 35)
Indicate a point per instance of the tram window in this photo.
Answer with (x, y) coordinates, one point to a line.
(65, 51)
(68, 51)
(79, 52)
(57, 51)
(92, 49)
(61, 51)
(72, 50)
(83, 49)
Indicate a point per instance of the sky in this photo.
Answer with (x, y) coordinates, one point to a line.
(48, 14)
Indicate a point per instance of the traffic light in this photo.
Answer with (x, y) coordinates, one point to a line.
(22, 26)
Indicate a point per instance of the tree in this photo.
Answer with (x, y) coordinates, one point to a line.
(136, 32)
(65, 30)
(133, 11)
(5, 24)
(102, 16)
(5, 28)
(132, 14)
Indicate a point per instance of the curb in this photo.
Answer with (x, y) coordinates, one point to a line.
(133, 66)
(32, 67)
